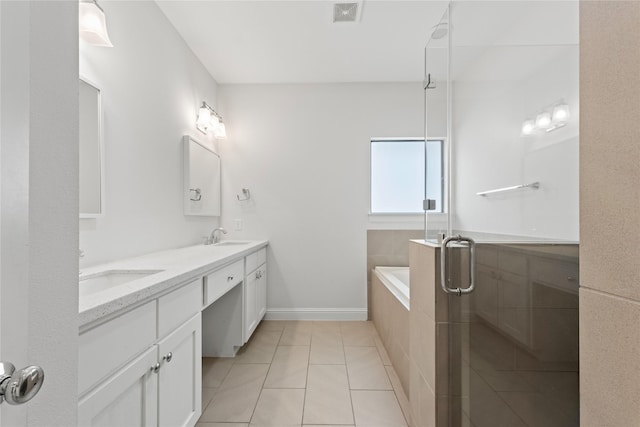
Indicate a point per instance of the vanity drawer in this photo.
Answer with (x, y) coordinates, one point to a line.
(178, 306)
(105, 348)
(221, 281)
(255, 260)
(560, 274)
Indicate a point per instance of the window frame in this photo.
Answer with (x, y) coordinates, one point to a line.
(443, 196)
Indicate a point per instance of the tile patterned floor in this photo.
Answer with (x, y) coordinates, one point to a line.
(312, 374)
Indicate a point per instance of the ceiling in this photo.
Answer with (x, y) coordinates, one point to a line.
(296, 41)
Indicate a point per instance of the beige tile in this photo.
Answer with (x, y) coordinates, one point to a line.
(326, 337)
(609, 173)
(326, 355)
(272, 325)
(255, 352)
(377, 408)
(289, 368)
(357, 336)
(326, 326)
(555, 334)
(283, 375)
(444, 358)
(214, 370)
(207, 396)
(443, 413)
(328, 400)
(327, 425)
(609, 363)
(351, 324)
(422, 264)
(423, 346)
(266, 336)
(536, 410)
(296, 336)
(251, 375)
(486, 407)
(366, 371)
(423, 400)
(202, 424)
(299, 325)
(379, 242)
(231, 405)
(505, 381)
(382, 351)
(279, 407)
(294, 354)
(236, 398)
(401, 395)
(400, 324)
(400, 242)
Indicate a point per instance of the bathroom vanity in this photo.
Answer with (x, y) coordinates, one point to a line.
(145, 321)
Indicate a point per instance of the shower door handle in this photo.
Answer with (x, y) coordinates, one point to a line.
(443, 264)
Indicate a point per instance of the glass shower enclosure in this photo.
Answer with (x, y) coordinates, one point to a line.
(501, 89)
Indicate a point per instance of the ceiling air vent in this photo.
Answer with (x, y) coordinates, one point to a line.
(347, 12)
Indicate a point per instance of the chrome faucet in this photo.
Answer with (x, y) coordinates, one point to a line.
(215, 237)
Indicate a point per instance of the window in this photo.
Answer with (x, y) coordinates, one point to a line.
(404, 172)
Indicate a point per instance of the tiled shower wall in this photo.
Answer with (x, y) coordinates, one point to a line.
(609, 207)
(388, 248)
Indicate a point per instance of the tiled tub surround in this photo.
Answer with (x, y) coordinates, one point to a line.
(511, 345)
(388, 248)
(391, 319)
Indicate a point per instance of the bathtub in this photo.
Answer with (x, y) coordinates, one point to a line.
(396, 279)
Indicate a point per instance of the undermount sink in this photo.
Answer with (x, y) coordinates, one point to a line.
(111, 278)
(233, 242)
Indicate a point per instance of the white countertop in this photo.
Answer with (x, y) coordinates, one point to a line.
(178, 265)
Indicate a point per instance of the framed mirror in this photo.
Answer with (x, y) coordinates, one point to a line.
(91, 151)
(201, 179)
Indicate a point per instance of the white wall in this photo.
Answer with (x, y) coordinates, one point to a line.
(303, 151)
(489, 153)
(152, 86)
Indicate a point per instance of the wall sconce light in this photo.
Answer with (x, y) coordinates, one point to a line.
(92, 24)
(209, 119)
(543, 120)
(547, 120)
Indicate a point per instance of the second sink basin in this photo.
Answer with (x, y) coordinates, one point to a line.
(107, 279)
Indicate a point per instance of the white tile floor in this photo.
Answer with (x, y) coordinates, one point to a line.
(304, 374)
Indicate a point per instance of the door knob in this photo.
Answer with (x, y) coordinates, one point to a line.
(18, 387)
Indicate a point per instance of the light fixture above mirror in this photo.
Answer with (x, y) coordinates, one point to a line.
(92, 24)
(547, 120)
(208, 118)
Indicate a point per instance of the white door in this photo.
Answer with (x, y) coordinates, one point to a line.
(38, 204)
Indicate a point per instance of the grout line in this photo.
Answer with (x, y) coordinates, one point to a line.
(346, 368)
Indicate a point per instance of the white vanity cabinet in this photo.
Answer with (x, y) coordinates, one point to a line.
(255, 301)
(128, 398)
(180, 375)
(162, 386)
(140, 353)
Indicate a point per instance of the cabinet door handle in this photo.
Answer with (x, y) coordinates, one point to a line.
(168, 357)
(229, 278)
(155, 368)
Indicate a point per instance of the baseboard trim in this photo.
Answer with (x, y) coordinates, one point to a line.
(316, 314)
